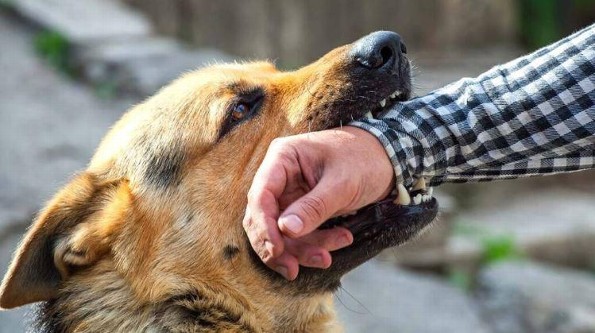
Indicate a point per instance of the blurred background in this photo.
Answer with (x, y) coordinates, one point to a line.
(504, 257)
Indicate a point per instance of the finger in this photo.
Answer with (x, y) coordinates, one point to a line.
(263, 206)
(311, 210)
(329, 239)
(263, 237)
(308, 255)
(286, 265)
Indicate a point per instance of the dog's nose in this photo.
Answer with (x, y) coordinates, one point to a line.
(381, 49)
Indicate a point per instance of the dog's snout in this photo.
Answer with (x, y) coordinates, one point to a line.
(378, 50)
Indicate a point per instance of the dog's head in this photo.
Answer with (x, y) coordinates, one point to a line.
(153, 228)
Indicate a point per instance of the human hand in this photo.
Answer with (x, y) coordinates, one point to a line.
(303, 181)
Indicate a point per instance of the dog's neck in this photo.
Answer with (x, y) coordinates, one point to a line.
(110, 305)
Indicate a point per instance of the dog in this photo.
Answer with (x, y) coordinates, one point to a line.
(149, 237)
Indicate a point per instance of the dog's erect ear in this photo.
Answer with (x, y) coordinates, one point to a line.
(74, 230)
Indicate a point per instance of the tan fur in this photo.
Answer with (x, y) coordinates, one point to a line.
(150, 217)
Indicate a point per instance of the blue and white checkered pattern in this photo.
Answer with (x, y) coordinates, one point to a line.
(532, 116)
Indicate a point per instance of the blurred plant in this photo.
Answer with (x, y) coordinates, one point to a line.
(106, 90)
(54, 49)
(460, 279)
(495, 247)
(545, 21)
(500, 248)
(540, 23)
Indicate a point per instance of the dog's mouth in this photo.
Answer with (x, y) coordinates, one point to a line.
(396, 218)
(385, 104)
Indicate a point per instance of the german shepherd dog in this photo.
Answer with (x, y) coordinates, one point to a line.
(149, 237)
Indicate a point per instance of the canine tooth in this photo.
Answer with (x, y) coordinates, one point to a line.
(420, 185)
(403, 197)
(417, 199)
(393, 95)
(431, 192)
(383, 103)
(369, 115)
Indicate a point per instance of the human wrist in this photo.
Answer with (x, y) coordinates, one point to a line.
(380, 173)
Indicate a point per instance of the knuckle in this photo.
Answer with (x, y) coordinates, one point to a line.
(247, 223)
(266, 257)
(255, 197)
(278, 143)
(314, 207)
(252, 194)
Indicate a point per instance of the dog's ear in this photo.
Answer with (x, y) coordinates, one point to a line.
(74, 230)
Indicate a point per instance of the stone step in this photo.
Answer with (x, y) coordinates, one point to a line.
(112, 46)
(85, 21)
(525, 297)
(144, 75)
(554, 226)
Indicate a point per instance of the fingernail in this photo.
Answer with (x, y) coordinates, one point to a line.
(344, 241)
(283, 271)
(315, 260)
(293, 223)
(269, 246)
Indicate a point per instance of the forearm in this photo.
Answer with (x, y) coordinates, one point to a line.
(532, 116)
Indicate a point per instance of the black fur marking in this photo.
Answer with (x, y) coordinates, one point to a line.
(47, 319)
(230, 251)
(164, 169)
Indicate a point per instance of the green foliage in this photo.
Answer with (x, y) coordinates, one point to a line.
(499, 248)
(545, 21)
(54, 49)
(495, 247)
(540, 24)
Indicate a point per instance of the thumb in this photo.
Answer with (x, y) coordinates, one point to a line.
(309, 211)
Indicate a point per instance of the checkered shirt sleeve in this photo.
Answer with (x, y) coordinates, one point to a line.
(532, 116)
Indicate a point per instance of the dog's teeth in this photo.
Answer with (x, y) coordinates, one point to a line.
(369, 115)
(425, 198)
(383, 103)
(417, 199)
(397, 93)
(420, 185)
(403, 197)
(431, 192)
(393, 95)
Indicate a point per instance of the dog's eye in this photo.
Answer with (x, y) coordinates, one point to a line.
(240, 111)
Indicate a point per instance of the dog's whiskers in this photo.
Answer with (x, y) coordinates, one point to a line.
(367, 311)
